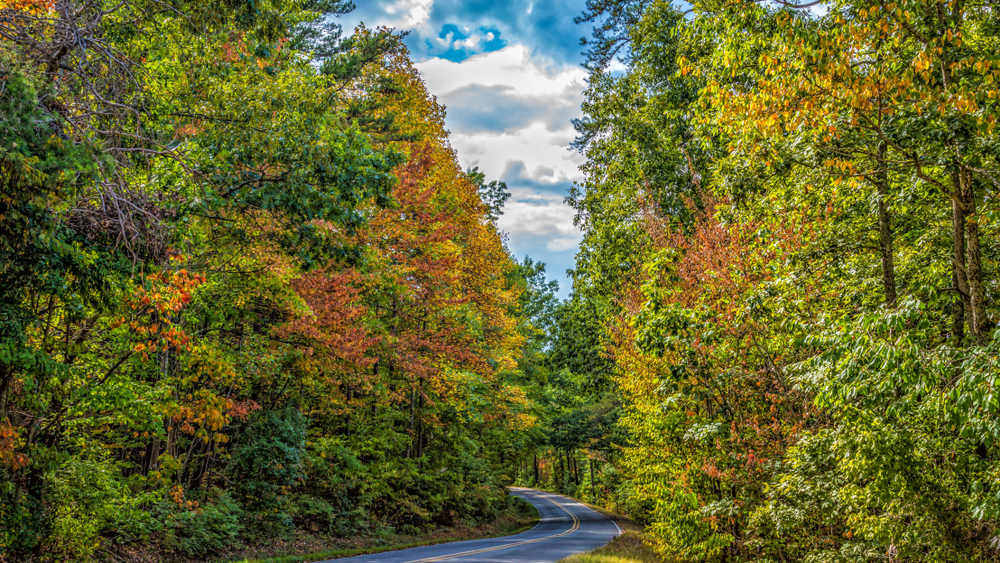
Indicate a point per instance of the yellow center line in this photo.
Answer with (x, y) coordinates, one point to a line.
(576, 525)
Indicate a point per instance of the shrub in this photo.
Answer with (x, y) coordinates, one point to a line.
(202, 530)
(89, 501)
(22, 520)
(268, 461)
(318, 515)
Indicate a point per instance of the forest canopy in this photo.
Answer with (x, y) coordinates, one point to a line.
(248, 295)
(245, 287)
(790, 256)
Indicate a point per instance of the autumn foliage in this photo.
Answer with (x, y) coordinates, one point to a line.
(247, 295)
(789, 221)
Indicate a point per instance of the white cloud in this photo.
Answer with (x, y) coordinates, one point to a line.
(511, 66)
(544, 216)
(544, 153)
(616, 66)
(474, 42)
(542, 148)
(409, 14)
(531, 145)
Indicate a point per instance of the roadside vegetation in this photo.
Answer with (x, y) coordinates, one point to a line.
(249, 301)
(634, 545)
(519, 517)
(630, 547)
(782, 339)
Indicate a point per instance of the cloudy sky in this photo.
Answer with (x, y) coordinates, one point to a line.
(509, 73)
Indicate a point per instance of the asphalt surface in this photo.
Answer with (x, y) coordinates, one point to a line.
(566, 527)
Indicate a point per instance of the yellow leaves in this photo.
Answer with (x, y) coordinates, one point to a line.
(844, 166)
(33, 7)
(961, 103)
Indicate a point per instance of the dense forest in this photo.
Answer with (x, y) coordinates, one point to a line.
(790, 261)
(247, 291)
(245, 287)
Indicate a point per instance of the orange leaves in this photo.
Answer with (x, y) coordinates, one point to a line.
(33, 7)
(9, 443)
(164, 293)
(177, 495)
(204, 413)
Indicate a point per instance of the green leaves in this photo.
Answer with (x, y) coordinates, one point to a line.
(786, 211)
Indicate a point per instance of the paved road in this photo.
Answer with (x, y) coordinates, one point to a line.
(566, 527)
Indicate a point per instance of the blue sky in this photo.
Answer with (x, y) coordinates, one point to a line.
(509, 74)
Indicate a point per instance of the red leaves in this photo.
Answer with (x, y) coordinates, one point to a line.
(163, 294)
(240, 410)
(336, 332)
(9, 440)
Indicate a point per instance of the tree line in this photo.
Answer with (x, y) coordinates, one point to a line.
(790, 261)
(246, 290)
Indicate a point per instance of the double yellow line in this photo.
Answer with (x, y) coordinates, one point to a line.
(576, 525)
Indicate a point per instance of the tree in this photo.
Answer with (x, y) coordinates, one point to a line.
(494, 194)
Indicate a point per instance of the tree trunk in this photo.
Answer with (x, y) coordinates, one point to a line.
(973, 258)
(593, 488)
(885, 230)
(6, 376)
(536, 469)
(154, 450)
(962, 306)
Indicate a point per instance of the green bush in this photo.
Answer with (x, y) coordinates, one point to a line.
(317, 515)
(89, 501)
(337, 493)
(207, 529)
(22, 520)
(269, 461)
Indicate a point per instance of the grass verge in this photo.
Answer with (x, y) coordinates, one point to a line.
(626, 548)
(629, 547)
(522, 516)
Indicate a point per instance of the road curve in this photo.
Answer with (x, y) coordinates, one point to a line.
(566, 527)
